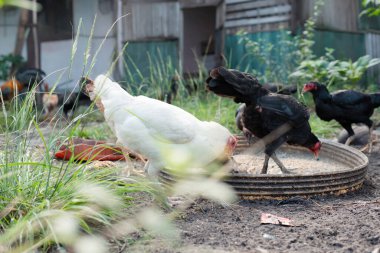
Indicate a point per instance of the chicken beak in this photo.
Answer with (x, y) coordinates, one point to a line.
(230, 147)
(315, 149)
(308, 87)
(316, 155)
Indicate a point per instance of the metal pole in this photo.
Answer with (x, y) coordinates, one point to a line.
(35, 36)
(119, 37)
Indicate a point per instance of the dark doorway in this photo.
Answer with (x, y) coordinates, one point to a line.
(198, 38)
(55, 21)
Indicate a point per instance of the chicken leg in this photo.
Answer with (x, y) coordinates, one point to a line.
(127, 154)
(248, 136)
(264, 170)
(349, 140)
(368, 147)
(350, 131)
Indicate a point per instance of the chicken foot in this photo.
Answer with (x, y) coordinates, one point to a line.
(264, 170)
(129, 168)
(349, 140)
(368, 147)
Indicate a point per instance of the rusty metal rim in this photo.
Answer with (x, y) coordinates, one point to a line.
(314, 191)
(279, 181)
(304, 195)
(257, 186)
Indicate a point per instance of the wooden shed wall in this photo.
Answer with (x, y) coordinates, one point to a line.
(149, 20)
(257, 15)
(338, 15)
(9, 19)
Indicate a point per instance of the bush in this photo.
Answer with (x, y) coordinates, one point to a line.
(7, 62)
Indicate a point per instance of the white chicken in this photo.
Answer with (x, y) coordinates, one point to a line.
(166, 135)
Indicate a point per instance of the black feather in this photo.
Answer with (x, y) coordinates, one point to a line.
(344, 106)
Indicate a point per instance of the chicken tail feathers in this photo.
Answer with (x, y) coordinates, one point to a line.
(375, 99)
(242, 82)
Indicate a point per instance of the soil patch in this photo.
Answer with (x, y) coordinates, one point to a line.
(348, 223)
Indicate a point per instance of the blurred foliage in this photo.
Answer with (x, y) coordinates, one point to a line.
(26, 4)
(6, 63)
(326, 69)
(292, 59)
(281, 59)
(276, 61)
(371, 8)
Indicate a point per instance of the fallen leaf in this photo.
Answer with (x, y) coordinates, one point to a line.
(267, 218)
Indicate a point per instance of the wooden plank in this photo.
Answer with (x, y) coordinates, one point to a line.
(296, 16)
(220, 15)
(260, 12)
(198, 3)
(260, 27)
(339, 15)
(152, 20)
(237, 1)
(255, 5)
(256, 21)
(149, 1)
(128, 22)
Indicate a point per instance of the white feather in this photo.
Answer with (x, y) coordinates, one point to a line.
(167, 135)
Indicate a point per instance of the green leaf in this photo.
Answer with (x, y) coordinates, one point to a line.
(373, 62)
(375, 12)
(366, 2)
(26, 4)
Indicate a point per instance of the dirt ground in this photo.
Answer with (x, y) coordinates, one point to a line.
(348, 223)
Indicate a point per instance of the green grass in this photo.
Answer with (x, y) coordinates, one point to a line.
(39, 195)
(36, 190)
(96, 131)
(323, 129)
(209, 107)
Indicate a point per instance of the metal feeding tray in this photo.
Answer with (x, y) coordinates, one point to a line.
(350, 177)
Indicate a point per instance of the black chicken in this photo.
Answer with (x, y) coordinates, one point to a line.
(67, 99)
(344, 106)
(280, 88)
(275, 88)
(31, 76)
(239, 123)
(274, 118)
